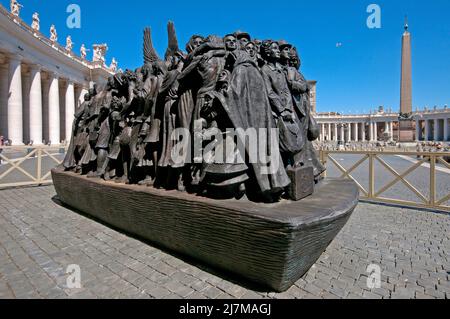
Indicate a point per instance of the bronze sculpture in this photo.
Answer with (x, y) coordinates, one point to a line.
(215, 144)
(246, 85)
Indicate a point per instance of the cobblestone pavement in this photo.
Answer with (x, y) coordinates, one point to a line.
(39, 239)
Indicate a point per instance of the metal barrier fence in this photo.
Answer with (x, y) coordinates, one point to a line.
(28, 165)
(31, 166)
(430, 164)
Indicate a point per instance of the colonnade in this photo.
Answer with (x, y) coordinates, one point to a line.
(432, 126)
(36, 105)
(356, 131)
(433, 129)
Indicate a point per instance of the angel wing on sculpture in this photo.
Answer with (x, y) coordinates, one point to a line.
(150, 54)
(173, 47)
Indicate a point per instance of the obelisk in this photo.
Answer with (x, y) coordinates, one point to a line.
(406, 80)
(406, 125)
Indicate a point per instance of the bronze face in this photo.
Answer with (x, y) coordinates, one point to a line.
(110, 83)
(274, 51)
(251, 49)
(243, 42)
(198, 41)
(230, 43)
(285, 53)
(295, 58)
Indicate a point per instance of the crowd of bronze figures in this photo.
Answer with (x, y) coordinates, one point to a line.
(125, 132)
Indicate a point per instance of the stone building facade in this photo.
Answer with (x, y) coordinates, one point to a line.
(430, 125)
(41, 82)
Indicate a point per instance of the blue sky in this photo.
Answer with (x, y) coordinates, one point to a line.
(358, 76)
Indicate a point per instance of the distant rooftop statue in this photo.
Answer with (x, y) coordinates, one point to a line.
(35, 25)
(53, 34)
(15, 7)
(99, 52)
(69, 43)
(113, 66)
(83, 51)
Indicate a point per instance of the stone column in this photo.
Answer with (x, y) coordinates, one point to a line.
(70, 109)
(392, 130)
(15, 103)
(356, 132)
(342, 133)
(427, 130)
(370, 132)
(436, 135)
(26, 85)
(4, 80)
(335, 137)
(387, 129)
(349, 134)
(375, 131)
(418, 130)
(329, 132)
(53, 110)
(352, 132)
(363, 132)
(446, 130)
(45, 91)
(36, 105)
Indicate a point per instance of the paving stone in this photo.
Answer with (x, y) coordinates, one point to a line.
(403, 293)
(434, 293)
(371, 295)
(385, 293)
(196, 296)
(353, 296)
(158, 292)
(341, 293)
(236, 291)
(328, 295)
(177, 288)
(423, 296)
(212, 292)
(314, 290)
(251, 295)
(200, 285)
